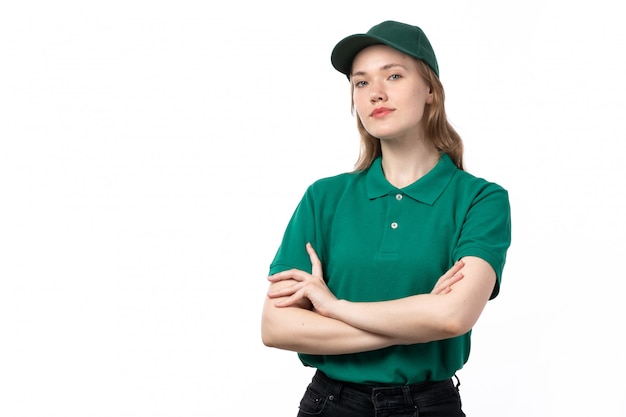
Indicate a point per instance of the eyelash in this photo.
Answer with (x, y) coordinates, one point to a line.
(360, 84)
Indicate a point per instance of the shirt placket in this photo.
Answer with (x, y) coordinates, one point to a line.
(393, 223)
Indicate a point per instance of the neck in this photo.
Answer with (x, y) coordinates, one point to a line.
(403, 166)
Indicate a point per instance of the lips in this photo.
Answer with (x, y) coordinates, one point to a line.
(380, 112)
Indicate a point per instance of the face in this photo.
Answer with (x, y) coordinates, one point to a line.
(389, 95)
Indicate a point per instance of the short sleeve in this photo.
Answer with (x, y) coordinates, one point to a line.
(300, 230)
(486, 231)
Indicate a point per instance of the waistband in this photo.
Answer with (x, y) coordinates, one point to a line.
(370, 389)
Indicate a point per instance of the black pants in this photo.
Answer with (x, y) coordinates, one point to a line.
(330, 398)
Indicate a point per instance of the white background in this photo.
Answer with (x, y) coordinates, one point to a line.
(151, 154)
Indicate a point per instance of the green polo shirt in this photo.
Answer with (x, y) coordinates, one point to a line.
(378, 242)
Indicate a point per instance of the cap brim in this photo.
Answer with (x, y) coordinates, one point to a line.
(344, 52)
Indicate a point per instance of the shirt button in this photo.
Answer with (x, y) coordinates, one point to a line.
(394, 225)
(398, 197)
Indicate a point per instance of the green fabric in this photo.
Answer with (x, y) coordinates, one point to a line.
(408, 39)
(444, 216)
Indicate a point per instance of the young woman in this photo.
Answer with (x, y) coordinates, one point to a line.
(382, 272)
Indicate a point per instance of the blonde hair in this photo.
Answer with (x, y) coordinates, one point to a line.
(437, 130)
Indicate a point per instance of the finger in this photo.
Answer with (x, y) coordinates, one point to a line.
(451, 273)
(454, 279)
(294, 274)
(443, 286)
(284, 292)
(292, 300)
(315, 260)
(451, 280)
(455, 268)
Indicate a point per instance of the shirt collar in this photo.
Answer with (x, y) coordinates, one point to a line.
(426, 189)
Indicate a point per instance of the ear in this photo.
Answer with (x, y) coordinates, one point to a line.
(430, 97)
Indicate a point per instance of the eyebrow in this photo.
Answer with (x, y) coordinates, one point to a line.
(383, 68)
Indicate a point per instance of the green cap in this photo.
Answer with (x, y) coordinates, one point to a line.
(407, 39)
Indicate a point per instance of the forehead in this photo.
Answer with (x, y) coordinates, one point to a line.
(379, 55)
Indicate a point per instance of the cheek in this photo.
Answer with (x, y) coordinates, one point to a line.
(359, 107)
(419, 102)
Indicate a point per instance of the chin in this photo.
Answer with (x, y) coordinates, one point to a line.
(382, 134)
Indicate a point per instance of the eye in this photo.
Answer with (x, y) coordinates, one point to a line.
(359, 84)
(395, 76)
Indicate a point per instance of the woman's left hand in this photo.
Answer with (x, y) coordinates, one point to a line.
(311, 286)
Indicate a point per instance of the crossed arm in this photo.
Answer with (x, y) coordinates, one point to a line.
(301, 314)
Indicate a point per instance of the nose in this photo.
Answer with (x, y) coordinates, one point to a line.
(377, 92)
